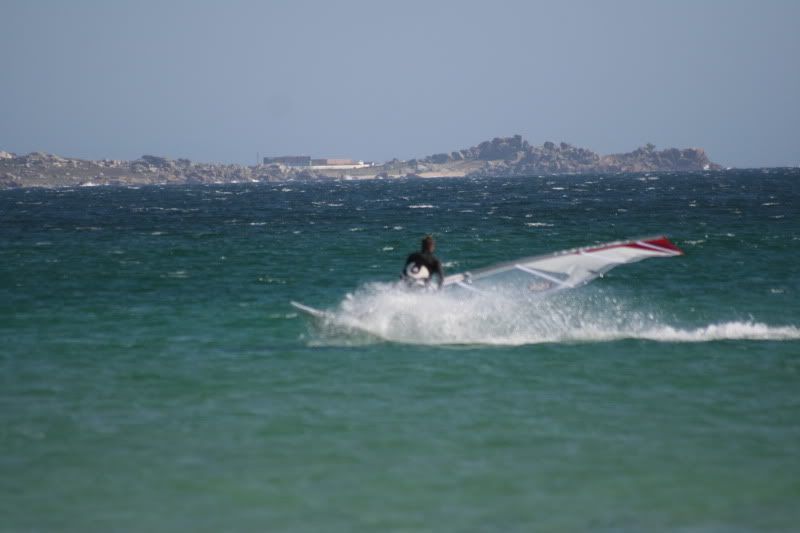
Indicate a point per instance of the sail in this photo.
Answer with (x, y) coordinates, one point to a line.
(563, 270)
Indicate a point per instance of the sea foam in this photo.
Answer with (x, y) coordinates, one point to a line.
(386, 312)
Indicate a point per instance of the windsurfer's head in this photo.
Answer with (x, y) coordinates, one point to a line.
(428, 244)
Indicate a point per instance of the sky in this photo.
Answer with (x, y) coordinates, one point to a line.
(227, 81)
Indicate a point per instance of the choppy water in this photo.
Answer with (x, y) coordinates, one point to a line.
(153, 376)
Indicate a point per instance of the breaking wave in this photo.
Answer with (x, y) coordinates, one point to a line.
(386, 312)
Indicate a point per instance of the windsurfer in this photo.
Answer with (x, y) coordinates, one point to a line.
(423, 265)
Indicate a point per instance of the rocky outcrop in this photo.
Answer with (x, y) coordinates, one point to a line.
(46, 170)
(498, 149)
(647, 159)
(513, 156)
(9, 181)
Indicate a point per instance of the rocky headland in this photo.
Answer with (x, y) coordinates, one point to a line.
(514, 156)
(502, 156)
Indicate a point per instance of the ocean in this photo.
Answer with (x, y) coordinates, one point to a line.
(154, 377)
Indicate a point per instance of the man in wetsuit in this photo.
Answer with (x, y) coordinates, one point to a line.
(421, 266)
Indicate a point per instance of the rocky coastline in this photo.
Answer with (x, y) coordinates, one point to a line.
(502, 156)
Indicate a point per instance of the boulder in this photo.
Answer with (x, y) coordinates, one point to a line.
(502, 148)
(9, 181)
(156, 161)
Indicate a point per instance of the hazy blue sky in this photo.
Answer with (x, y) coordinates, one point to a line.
(221, 81)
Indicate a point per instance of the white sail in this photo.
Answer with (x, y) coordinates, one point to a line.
(566, 269)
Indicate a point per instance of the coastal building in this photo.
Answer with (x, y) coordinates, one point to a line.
(338, 164)
(302, 161)
(289, 160)
(328, 162)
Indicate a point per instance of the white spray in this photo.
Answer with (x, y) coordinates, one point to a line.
(380, 311)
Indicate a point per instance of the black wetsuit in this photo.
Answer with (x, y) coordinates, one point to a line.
(429, 261)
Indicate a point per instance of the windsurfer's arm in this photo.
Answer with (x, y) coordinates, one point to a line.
(439, 273)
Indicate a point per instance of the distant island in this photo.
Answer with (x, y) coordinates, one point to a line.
(502, 156)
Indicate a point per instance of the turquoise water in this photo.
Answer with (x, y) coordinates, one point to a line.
(153, 376)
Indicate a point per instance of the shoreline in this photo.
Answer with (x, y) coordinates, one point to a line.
(500, 157)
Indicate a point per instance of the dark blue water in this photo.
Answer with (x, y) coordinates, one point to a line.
(154, 377)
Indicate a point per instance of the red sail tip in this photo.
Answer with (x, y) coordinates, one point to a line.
(663, 242)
